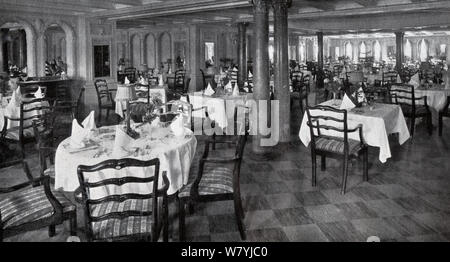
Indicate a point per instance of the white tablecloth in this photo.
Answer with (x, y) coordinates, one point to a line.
(218, 106)
(436, 100)
(175, 155)
(378, 123)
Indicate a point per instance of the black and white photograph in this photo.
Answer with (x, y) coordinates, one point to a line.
(225, 127)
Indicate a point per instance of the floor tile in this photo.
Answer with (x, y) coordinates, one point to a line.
(292, 216)
(305, 233)
(325, 213)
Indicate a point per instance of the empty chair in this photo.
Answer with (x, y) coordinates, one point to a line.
(389, 78)
(45, 144)
(216, 179)
(130, 73)
(104, 98)
(32, 205)
(207, 79)
(65, 111)
(322, 119)
(127, 216)
(20, 130)
(413, 107)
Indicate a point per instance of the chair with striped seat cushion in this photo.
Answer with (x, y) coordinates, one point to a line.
(336, 145)
(27, 208)
(128, 226)
(32, 204)
(215, 178)
(322, 120)
(124, 216)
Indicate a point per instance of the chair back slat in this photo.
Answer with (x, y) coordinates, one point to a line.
(121, 165)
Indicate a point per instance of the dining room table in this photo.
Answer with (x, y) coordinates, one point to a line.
(378, 122)
(174, 152)
(220, 107)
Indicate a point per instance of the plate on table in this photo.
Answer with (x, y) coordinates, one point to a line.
(88, 145)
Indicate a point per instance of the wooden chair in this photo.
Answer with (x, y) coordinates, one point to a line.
(65, 112)
(444, 113)
(405, 97)
(130, 73)
(327, 118)
(27, 209)
(179, 82)
(23, 133)
(29, 90)
(300, 86)
(44, 132)
(130, 216)
(104, 97)
(389, 78)
(206, 79)
(217, 179)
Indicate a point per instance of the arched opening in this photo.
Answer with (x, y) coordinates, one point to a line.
(136, 51)
(362, 50)
(150, 49)
(408, 50)
(55, 50)
(376, 51)
(165, 50)
(18, 51)
(302, 51)
(348, 50)
(423, 50)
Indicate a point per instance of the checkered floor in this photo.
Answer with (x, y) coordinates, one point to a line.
(405, 199)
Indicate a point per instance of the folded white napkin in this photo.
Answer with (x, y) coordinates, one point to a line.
(155, 122)
(361, 96)
(235, 69)
(121, 142)
(250, 74)
(160, 80)
(347, 103)
(399, 79)
(415, 80)
(38, 93)
(246, 89)
(236, 90)
(177, 126)
(245, 83)
(184, 98)
(13, 108)
(78, 135)
(89, 122)
(127, 81)
(209, 91)
(13, 83)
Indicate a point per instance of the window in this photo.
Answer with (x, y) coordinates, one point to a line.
(376, 51)
(302, 52)
(423, 50)
(408, 49)
(209, 52)
(101, 61)
(349, 50)
(362, 50)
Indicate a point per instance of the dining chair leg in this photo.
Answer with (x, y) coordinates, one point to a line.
(300, 102)
(73, 225)
(107, 114)
(239, 205)
(51, 231)
(440, 124)
(323, 161)
(99, 116)
(181, 222)
(239, 219)
(366, 164)
(429, 124)
(314, 175)
(165, 220)
(344, 175)
(413, 123)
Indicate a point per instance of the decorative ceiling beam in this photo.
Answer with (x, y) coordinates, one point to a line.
(171, 8)
(375, 10)
(366, 3)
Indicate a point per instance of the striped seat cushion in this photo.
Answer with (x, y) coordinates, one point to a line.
(133, 225)
(13, 133)
(215, 180)
(336, 145)
(30, 205)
